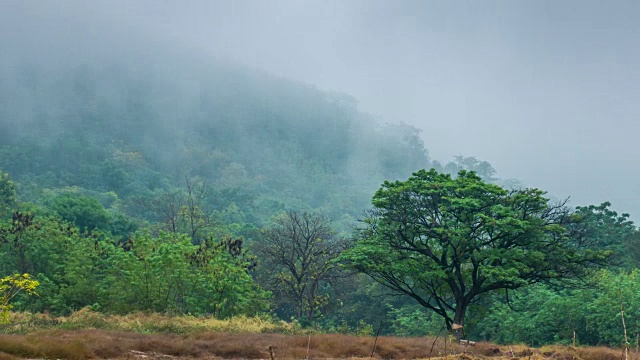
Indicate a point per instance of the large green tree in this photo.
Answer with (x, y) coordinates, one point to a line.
(611, 231)
(83, 211)
(446, 241)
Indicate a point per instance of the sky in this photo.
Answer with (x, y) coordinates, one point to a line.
(546, 91)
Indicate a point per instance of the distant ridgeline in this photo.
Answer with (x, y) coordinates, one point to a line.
(262, 143)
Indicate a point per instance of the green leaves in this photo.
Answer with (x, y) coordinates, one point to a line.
(606, 229)
(164, 273)
(161, 274)
(10, 286)
(7, 195)
(542, 315)
(445, 241)
(83, 211)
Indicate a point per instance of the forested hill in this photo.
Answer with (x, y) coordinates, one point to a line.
(139, 129)
(133, 185)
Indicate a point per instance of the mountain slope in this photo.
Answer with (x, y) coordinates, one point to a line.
(135, 128)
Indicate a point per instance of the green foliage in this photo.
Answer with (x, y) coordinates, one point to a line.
(164, 274)
(7, 195)
(536, 316)
(542, 315)
(167, 274)
(42, 246)
(446, 241)
(610, 231)
(603, 315)
(83, 211)
(10, 286)
(412, 320)
(481, 168)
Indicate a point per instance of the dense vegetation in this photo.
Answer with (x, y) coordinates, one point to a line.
(221, 191)
(446, 242)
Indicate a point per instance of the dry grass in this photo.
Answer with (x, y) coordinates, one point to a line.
(101, 344)
(47, 347)
(583, 353)
(5, 356)
(90, 335)
(82, 344)
(144, 323)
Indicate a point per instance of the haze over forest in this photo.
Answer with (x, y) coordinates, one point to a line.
(238, 158)
(544, 91)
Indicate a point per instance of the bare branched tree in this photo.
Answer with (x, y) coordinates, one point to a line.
(298, 253)
(185, 210)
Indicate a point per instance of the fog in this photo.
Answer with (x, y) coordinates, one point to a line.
(545, 91)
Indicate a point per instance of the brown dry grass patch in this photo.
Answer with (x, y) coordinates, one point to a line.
(102, 344)
(5, 356)
(45, 347)
(582, 353)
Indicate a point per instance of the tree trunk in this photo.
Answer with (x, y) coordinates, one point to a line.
(300, 307)
(457, 328)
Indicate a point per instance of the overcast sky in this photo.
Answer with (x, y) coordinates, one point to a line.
(546, 91)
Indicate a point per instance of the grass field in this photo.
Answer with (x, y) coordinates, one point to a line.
(89, 335)
(102, 344)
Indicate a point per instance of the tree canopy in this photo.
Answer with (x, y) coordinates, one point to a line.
(444, 241)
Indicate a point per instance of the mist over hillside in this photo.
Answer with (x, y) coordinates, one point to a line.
(173, 65)
(135, 127)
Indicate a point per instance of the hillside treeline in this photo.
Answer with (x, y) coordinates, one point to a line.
(222, 191)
